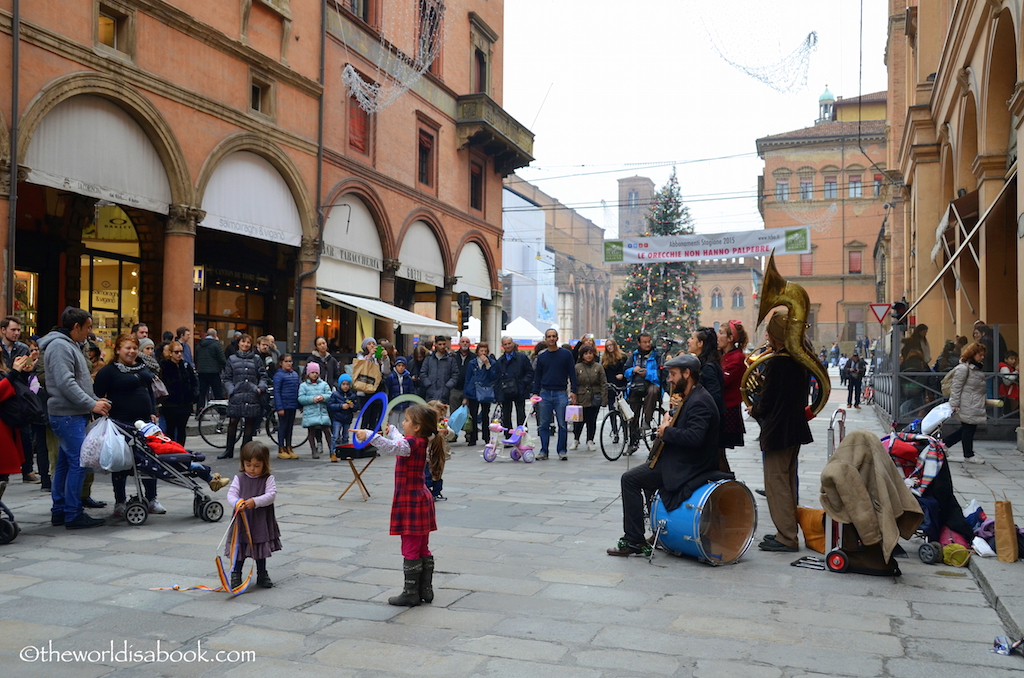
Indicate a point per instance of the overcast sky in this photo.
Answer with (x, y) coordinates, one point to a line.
(604, 85)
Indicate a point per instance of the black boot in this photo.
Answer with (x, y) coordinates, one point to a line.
(410, 596)
(427, 580)
(226, 454)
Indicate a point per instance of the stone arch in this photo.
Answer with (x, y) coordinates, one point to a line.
(141, 109)
(477, 237)
(365, 192)
(278, 159)
(1001, 74)
(947, 169)
(431, 220)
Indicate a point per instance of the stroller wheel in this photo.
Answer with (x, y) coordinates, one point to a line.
(136, 513)
(212, 511)
(529, 456)
(8, 531)
(837, 561)
(930, 553)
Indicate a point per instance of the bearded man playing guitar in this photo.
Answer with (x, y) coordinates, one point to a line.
(683, 459)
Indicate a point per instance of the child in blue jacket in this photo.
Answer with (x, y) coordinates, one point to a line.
(341, 407)
(286, 402)
(399, 382)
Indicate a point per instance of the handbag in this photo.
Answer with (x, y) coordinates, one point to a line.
(484, 394)
(159, 388)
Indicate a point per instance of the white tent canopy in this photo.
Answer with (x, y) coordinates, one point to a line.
(472, 331)
(521, 328)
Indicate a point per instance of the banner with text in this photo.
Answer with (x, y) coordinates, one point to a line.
(708, 246)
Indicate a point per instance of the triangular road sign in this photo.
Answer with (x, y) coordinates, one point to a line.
(880, 311)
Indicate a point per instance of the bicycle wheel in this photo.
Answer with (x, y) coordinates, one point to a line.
(651, 434)
(270, 425)
(213, 426)
(611, 423)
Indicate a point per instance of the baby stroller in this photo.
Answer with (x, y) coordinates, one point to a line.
(918, 451)
(177, 469)
(8, 527)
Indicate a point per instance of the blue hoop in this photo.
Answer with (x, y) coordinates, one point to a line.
(359, 420)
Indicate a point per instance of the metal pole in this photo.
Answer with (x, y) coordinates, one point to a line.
(12, 204)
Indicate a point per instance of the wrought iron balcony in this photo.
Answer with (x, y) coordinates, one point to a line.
(483, 124)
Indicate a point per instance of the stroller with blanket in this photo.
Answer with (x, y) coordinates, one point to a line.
(920, 454)
(161, 458)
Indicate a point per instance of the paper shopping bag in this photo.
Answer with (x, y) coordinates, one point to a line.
(573, 413)
(1006, 533)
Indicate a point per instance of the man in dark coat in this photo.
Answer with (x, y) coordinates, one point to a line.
(210, 361)
(514, 381)
(781, 413)
(690, 453)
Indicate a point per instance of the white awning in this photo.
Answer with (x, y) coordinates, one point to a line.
(410, 323)
(420, 256)
(91, 146)
(472, 273)
(248, 196)
(966, 207)
(351, 256)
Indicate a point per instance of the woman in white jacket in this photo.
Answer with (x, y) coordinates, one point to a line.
(967, 398)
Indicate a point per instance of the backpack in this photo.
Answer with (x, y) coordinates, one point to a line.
(947, 383)
(23, 408)
(366, 376)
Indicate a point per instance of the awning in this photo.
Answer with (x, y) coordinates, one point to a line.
(966, 207)
(472, 272)
(410, 323)
(966, 241)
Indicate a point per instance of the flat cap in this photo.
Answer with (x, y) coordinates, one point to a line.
(687, 361)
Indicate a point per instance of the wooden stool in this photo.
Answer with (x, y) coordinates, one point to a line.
(357, 474)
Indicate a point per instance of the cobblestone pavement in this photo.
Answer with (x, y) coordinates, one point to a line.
(523, 587)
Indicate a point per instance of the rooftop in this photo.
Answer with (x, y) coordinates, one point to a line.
(827, 130)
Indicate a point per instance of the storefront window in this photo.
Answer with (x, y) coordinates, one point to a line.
(110, 274)
(26, 301)
(232, 301)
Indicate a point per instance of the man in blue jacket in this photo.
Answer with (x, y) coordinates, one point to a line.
(643, 372)
(555, 371)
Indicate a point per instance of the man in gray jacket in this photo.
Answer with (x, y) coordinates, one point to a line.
(440, 372)
(70, 403)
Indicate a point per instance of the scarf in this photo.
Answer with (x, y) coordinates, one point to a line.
(129, 369)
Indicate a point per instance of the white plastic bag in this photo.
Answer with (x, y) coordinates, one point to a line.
(93, 443)
(115, 455)
(982, 548)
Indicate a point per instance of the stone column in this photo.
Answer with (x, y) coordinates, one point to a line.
(444, 300)
(305, 305)
(996, 243)
(490, 323)
(179, 259)
(7, 258)
(386, 328)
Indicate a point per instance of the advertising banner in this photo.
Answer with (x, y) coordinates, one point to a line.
(708, 246)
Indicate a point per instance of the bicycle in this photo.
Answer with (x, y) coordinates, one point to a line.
(614, 445)
(213, 423)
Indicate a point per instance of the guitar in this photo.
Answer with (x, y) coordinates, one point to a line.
(659, 444)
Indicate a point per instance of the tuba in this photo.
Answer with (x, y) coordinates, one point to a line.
(777, 291)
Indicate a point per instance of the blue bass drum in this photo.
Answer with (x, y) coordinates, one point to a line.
(715, 525)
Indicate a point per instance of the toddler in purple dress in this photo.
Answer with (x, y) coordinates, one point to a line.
(256, 487)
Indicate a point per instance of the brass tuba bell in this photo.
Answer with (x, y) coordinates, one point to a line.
(777, 291)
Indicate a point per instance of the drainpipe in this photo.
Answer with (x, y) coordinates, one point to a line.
(302, 275)
(12, 204)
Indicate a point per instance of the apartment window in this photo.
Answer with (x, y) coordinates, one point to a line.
(261, 95)
(480, 71)
(115, 28)
(361, 8)
(633, 200)
(807, 264)
(429, 42)
(878, 186)
(855, 189)
(482, 39)
(358, 127)
(716, 299)
(831, 190)
(806, 189)
(425, 158)
(782, 190)
(855, 326)
(476, 186)
(737, 298)
(856, 259)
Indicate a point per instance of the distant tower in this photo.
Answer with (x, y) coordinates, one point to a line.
(826, 107)
(635, 196)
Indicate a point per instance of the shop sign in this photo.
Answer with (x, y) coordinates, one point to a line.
(410, 273)
(198, 277)
(697, 247)
(350, 257)
(96, 191)
(257, 231)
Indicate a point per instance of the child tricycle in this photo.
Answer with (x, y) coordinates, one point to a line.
(517, 444)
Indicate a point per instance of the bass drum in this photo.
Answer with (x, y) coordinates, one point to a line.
(715, 525)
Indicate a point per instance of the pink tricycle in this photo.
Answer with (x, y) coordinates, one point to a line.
(519, 447)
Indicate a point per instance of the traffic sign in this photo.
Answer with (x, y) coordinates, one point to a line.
(880, 311)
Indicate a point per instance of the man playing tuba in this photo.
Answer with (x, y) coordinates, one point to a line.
(780, 411)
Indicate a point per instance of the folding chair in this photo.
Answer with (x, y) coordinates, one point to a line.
(350, 454)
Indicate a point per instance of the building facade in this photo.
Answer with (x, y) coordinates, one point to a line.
(832, 178)
(202, 164)
(729, 291)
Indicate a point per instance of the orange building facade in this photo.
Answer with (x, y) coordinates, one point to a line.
(831, 177)
(203, 165)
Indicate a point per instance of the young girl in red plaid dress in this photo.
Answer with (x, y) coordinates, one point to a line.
(412, 510)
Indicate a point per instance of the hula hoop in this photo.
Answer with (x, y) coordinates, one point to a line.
(407, 398)
(384, 406)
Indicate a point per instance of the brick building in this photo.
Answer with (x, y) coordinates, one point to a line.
(173, 160)
(832, 177)
(728, 291)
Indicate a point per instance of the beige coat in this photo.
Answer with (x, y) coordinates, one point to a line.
(861, 485)
(967, 392)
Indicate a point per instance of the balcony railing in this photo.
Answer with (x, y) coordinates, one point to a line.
(482, 123)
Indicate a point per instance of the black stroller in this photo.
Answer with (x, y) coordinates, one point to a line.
(175, 469)
(8, 527)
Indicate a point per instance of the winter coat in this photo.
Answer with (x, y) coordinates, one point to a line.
(462, 360)
(477, 375)
(439, 376)
(781, 409)
(130, 393)
(330, 370)
(182, 384)
(70, 390)
(592, 384)
(733, 367)
(286, 390)
(244, 377)
(855, 370)
(967, 392)
(210, 358)
(337, 400)
(314, 414)
(513, 379)
(652, 363)
(400, 385)
(617, 367)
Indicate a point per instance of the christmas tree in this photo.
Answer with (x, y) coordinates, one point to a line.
(659, 298)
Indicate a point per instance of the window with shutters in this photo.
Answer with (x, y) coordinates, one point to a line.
(878, 185)
(856, 259)
(855, 188)
(831, 188)
(426, 158)
(807, 264)
(806, 188)
(476, 185)
(358, 128)
(782, 190)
